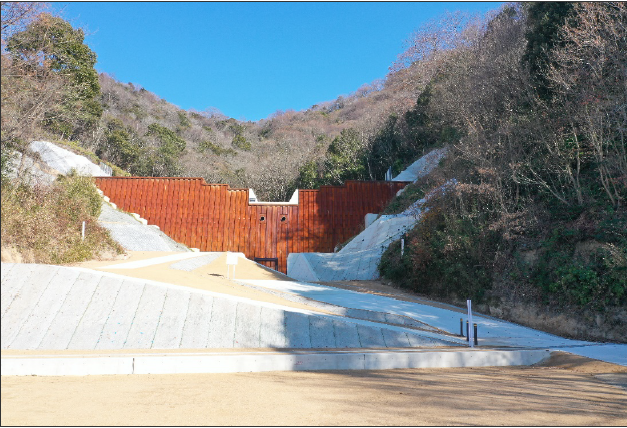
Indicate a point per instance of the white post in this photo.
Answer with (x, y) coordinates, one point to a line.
(471, 334)
(231, 260)
(83, 232)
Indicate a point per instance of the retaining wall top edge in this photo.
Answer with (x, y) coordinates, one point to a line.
(204, 183)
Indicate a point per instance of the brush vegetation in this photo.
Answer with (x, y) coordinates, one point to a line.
(43, 224)
(536, 217)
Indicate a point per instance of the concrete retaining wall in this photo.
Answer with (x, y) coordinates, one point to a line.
(79, 365)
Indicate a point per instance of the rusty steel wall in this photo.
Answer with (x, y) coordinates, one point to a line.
(214, 217)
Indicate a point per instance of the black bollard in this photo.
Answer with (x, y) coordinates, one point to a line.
(467, 336)
(461, 327)
(475, 333)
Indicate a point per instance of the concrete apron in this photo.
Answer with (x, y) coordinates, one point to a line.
(81, 364)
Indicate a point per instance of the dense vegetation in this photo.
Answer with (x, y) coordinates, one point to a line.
(531, 100)
(538, 98)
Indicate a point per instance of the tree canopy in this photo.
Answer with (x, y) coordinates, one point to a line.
(50, 45)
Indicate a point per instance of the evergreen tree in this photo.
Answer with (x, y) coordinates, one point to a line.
(544, 20)
(51, 45)
(345, 158)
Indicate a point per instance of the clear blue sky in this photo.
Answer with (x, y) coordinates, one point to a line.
(250, 59)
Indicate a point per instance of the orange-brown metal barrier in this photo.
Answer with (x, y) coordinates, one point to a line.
(214, 217)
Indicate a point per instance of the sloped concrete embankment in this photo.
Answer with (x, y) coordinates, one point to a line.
(57, 308)
(49, 160)
(359, 260)
(132, 234)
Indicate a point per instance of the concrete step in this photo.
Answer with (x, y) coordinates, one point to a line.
(79, 364)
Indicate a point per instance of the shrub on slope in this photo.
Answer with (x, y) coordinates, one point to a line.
(43, 223)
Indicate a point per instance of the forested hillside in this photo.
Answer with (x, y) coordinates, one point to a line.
(266, 155)
(536, 224)
(359, 135)
(531, 100)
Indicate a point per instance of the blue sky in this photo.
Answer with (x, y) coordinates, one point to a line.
(250, 59)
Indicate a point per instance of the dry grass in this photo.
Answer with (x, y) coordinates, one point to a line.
(42, 224)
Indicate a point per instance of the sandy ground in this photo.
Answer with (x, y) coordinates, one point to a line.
(563, 391)
(211, 277)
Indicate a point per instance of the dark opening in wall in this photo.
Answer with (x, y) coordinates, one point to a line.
(283, 218)
(262, 218)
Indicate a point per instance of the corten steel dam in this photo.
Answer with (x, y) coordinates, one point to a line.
(214, 217)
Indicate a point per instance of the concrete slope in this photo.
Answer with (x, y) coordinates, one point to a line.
(64, 161)
(359, 260)
(123, 227)
(51, 307)
(51, 161)
(134, 235)
(491, 331)
(30, 171)
(422, 166)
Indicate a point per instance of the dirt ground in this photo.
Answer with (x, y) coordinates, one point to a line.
(211, 277)
(562, 391)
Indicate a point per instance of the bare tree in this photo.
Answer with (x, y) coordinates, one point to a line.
(590, 77)
(17, 15)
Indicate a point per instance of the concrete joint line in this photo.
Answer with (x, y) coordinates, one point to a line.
(361, 344)
(134, 316)
(317, 278)
(383, 336)
(32, 309)
(309, 328)
(185, 320)
(213, 302)
(165, 299)
(55, 316)
(104, 325)
(233, 342)
(91, 298)
(25, 277)
(260, 324)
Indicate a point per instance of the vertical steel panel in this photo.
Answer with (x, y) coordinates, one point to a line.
(160, 205)
(187, 207)
(202, 225)
(263, 226)
(208, 229)
(235, 232)
(222, 217)
(191, 215)
(254, 230)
